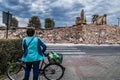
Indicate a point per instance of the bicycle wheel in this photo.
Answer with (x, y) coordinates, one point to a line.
(15, 71)
(53, 71)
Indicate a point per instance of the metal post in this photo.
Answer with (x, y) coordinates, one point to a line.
(118, 21)
(7, 25)
(54, 30)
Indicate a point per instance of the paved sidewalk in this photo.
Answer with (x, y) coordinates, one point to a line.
(92, 67)
(87, 67)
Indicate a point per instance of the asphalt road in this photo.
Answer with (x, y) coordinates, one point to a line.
(88, 62)
(88, 50)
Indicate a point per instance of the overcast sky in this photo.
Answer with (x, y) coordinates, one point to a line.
(64, 12)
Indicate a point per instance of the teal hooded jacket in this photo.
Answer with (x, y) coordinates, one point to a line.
(34, 51)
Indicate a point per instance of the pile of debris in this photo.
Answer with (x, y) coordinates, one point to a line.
(102, 34)
(90, 34)
(86, 34)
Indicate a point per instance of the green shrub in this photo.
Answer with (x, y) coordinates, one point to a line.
(10, 51)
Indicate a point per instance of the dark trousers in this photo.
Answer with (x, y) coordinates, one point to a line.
(35, 70)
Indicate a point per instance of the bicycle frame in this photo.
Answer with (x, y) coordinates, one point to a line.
(42, 64)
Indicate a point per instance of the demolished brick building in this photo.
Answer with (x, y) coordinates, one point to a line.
(90, 34)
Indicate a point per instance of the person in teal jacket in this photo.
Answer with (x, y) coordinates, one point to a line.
(34, 49)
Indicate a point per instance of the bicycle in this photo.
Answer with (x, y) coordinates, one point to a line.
(51, 71)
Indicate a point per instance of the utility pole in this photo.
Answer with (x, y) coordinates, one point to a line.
(118, 21)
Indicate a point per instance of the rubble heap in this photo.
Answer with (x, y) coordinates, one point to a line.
(90, 34)
(87, 34)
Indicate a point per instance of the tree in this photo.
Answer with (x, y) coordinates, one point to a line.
(14, 23)
(34, 22)
(49, 23)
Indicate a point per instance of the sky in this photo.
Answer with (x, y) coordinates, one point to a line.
(63, 12)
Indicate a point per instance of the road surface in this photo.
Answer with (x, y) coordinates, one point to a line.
(88, 62)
